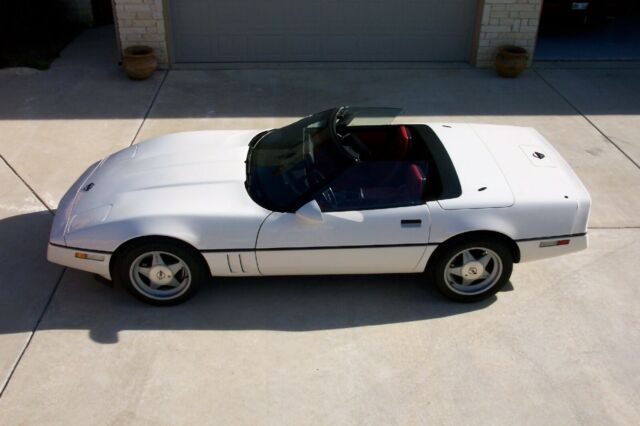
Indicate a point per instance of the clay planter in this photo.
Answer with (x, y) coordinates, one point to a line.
(511, 61)
(139, 62)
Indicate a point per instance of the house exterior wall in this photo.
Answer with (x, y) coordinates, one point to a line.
(498, 22)
(505, 22)
(142, 22)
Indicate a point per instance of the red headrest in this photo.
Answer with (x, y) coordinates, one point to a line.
(402, 143)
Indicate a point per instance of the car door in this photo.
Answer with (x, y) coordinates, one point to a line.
(358, 230)
(346, 242)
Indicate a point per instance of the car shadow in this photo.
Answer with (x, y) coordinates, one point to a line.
(74, 300)
(290, 304)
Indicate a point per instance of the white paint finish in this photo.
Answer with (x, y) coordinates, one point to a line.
(189, 186)
(66, 257)
(517, 222)
(533, 153)
(339, 229)
(547, 185)
(531, 179)
(548, 199)
(381, 260)
(232, 264)
(65, 210)
(531, 250)
(422, 264)
(310, 213)
(476, 169)
(366, 227)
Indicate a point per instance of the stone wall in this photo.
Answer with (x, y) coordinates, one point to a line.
(505, 22)
(142, 22)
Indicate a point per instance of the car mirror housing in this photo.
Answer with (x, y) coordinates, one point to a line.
(310, 212)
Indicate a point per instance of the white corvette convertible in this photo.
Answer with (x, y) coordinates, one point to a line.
(339, 192)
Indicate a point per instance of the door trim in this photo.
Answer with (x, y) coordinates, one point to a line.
(320, 247)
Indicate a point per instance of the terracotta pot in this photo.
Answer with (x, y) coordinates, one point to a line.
(511, 61)
(139, 62)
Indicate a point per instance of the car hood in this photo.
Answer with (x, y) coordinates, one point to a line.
(194, 175)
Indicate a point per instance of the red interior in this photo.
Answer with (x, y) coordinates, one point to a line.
(386, 142)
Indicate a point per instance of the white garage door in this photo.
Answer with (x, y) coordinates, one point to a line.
(320, 30)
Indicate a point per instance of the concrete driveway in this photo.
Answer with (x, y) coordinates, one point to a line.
(558, 346)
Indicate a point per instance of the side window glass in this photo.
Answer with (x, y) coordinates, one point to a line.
(376, 185)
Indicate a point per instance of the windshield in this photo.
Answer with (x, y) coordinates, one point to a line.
(287, 165)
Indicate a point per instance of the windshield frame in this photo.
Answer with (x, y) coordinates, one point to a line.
(343, 155)
(330, 116)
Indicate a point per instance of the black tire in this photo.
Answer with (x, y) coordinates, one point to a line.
(179, 287)
(463, 287)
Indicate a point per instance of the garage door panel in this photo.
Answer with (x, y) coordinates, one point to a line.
(194, 47)
(320, 30)
(191, 12)
(228, 47)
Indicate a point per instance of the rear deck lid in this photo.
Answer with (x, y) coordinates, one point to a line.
(481, 180)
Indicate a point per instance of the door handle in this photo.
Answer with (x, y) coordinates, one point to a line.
(411, 222)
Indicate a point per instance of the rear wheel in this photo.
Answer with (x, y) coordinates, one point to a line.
(159, 272)
(472, 270)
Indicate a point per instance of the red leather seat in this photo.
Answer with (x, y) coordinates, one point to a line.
(401, 144)
(387, 143)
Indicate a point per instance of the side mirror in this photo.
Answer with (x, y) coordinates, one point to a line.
(310, 212)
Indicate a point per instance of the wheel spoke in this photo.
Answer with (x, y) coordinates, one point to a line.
(484, 275)
(174, 282)
(485, 260)
(456, 271)
(157, 259)
(467, 281)
(467, 256)
(176, 267)
(160, 275)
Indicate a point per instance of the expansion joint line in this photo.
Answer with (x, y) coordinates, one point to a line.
(14, 367)
(153, 101)
(576, 109)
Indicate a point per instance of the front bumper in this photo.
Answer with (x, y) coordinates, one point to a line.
(84, 260)
(532, 250)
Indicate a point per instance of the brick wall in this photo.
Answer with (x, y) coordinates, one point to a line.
(142, 22)
(506, 22)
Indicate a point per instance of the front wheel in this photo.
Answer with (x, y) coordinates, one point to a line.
(160, 273)
(472, 270)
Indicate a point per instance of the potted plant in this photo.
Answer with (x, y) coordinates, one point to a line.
(139, 62)
(511, 61)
